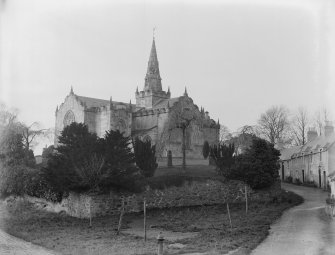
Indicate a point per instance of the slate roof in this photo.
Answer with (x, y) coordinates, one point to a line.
(288, 152)
(96, 102)
(320, 142)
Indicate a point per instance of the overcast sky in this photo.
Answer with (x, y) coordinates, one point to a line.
(237, 58)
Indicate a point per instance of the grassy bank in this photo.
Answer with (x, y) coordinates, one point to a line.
(74, 236)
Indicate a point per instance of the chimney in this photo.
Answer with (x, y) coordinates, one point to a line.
(329, 129)
(311, 134)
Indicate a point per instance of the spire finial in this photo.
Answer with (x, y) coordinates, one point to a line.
(71, 92)
(185, 93)
(153, 32)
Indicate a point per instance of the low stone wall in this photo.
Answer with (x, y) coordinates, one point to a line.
(191, 193)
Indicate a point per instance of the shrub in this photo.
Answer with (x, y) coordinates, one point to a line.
(145, 157)
(84, 162)
(258, 166)
(289, 179)
(297, 181)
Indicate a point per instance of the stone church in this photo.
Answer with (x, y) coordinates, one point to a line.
(153, 117)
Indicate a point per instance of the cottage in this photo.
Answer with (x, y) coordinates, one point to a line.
(312, 162)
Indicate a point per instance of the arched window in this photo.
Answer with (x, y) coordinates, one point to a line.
(147, 138)
(120, 125)
(68, 118)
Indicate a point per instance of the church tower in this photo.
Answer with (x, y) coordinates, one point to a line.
(152, 92)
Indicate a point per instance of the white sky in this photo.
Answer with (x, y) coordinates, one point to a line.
(237, 58)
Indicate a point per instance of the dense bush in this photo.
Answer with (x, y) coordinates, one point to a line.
(145, 157)
(223, 156)
(85, 162)
(289, 179)
(257, 166)
(297, 181)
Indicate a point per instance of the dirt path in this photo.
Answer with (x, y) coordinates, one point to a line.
(12, 245)
(303, 229)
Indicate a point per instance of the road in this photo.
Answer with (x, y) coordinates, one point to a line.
(302, 230)
(10, 245)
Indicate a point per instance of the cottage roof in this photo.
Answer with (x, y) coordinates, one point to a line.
(320, 142)
(288, 152)
(323, 142)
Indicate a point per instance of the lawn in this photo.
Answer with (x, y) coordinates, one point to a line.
(210, 223)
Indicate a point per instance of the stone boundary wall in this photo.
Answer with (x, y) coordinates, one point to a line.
(191, 193)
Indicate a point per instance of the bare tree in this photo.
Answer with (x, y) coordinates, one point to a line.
(225, 134)
(299, 125)
(273, 124)
(182, 114)
(30, 134)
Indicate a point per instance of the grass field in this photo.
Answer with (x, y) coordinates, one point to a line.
(74, 236)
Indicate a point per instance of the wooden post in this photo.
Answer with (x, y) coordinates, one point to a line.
(145, 219)
(231, 225)
(121, 216)
(246, 198)
(90, 214)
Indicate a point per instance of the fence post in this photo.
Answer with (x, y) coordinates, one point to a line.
(160, 240)
(121, 216)
(145, 219)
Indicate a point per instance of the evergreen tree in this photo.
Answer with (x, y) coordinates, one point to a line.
(145, 157)
(258, 166)
(223, 155)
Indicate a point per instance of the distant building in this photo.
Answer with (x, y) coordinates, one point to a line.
(312, 162)
(147, 119)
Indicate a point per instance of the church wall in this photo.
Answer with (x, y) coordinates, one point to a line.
(121, 119)
(104, 121)
(90, 120)
(72, 104)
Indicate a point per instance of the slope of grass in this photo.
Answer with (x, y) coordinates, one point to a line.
(74, 236)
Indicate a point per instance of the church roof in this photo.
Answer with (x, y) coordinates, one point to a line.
(90, 102)
(93, 102)
(164, 103)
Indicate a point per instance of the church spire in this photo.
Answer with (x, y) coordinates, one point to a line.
(153, 78)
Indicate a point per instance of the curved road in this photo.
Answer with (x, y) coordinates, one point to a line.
(302, 230)
(10, 245)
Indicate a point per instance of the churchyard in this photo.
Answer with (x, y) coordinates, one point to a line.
(91, 194)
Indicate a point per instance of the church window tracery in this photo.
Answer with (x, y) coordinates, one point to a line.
(121, 125)
(68, 118)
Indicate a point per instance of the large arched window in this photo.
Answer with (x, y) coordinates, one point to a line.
(147, 138)
(68, 118)
(120, 125)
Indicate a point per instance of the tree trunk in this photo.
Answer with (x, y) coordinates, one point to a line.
(246, 198)
(184, 149)
(231, 225)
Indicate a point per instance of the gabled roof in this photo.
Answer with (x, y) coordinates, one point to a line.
(323, 142)
(288, 152)
(320, 142)
(90, 102)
